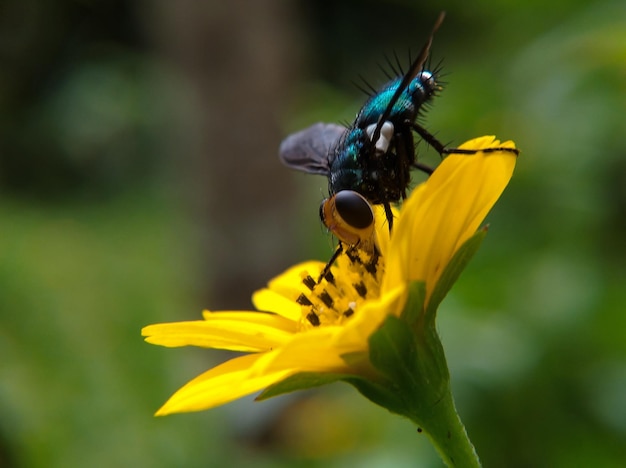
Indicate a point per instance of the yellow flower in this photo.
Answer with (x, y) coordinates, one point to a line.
(308, 333)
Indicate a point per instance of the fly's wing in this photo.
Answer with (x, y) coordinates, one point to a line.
(309, 150)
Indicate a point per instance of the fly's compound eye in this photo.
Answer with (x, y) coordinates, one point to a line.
(349, 216)
(354, 209)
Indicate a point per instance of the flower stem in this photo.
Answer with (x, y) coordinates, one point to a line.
(447, 433)
(433, 410)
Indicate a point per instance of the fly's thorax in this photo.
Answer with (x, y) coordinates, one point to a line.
(350, 163)
(349, 149)
(363, 181)
(421, 89)
(384, 139)
(375, 106)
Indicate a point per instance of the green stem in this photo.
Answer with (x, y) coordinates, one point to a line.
(433, 409)
(444, 428)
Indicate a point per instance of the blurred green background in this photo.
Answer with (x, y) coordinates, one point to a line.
(140, 183)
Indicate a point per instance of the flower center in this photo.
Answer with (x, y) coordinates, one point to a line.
(354, 279)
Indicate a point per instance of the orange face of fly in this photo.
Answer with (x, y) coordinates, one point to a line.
(349, 216)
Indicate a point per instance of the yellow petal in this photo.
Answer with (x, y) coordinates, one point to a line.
(222, 384)
(281, 292)
(293, 276)
(235, 331)
(445, 211)
(368, 318)
(323, 349)
(271, 301)
(382, 227)
(312, 351)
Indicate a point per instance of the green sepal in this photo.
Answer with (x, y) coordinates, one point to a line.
(414, 307)
(407, 351)
(392, 350)
(382, 394)
(301, 381)
(453, 270)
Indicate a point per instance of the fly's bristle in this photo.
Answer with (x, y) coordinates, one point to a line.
(394, 67)
(437, 68)
(365, 86)
(398, 64)
(363, 89)
(388, 75)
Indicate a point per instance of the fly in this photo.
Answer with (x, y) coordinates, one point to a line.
(374, 156)
(369, 162)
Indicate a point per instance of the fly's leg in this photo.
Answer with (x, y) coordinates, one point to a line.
(326, 269)
(442, 149)
(429, 138)
(389, 215)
